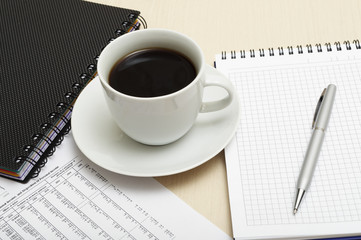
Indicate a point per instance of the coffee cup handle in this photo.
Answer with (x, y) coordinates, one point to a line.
(214, 78)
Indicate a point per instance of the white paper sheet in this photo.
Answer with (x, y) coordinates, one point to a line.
(75, 199)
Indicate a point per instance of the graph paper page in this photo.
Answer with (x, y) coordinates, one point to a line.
(278, 96)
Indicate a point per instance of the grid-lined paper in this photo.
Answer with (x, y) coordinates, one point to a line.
(278, 96)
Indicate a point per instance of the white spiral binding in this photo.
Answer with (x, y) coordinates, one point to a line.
(290, 50)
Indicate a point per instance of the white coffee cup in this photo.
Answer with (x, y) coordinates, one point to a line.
(163, 119)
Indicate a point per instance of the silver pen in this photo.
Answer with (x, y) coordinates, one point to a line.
(319, 125)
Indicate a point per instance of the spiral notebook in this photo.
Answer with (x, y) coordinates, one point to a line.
(279, 90)
(48, 52)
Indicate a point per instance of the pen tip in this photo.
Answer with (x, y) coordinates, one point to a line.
(294, 211)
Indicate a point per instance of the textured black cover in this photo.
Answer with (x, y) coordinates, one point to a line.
(45, 45)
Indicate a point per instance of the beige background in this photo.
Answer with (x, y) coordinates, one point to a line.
(225, 25)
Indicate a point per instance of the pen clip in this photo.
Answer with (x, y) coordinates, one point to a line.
(318, 108)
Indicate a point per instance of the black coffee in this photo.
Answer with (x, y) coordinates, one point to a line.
(151, 72)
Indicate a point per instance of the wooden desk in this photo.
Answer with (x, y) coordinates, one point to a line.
(225, 25)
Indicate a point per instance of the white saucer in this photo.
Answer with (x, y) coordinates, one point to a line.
(99, 138)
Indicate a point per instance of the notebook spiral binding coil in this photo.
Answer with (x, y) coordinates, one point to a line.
(337, 46)
(51, 134)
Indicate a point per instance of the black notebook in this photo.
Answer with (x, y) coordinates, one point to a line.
(48, 54)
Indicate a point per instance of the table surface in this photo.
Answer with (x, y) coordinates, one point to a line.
(226, 25)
